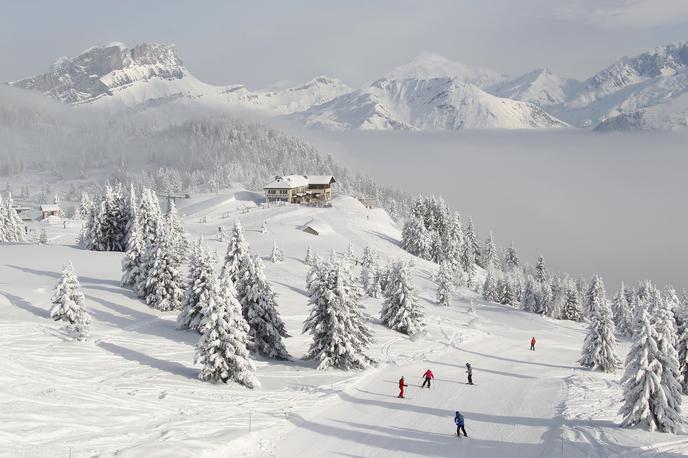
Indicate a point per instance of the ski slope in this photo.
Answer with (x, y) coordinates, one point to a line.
(131, 391)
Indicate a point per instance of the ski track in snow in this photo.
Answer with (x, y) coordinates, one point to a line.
(132, 391)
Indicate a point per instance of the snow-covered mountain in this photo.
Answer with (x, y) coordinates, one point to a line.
(118, 77)
(425, 104)
(429, 93)
(630, 86)
(541, 87)
(428, 66)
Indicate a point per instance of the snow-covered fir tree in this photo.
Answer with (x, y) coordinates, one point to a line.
(340, 332)
(367, 268)
(528, 295)
(599, 347)
(259, 306)
(85, 206)
(571, 309)
(595, 292)
(133, 259)
(544, 299)
(507, 290)
(511, 261)
(199, 287)
(222, 347)
(491, 287)
(68, 303)
(176, 227)
(621, 310)
(349, 254)
(445, 283)
(490, 256)
(374, 289)
(682, 351)
(665, 327)
(415, 238)
(237, 251)
(540, 270)
(467, 261)
(473, 241)
(401, 310)
(276, 255)
(11, 225)
(113, 218)
(164, 289)
(644, 400)
(308, 259)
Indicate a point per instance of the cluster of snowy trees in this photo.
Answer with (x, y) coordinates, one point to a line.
(11, 226)
(155, 246)
(235, 312)
(657, 365)
(433, 232)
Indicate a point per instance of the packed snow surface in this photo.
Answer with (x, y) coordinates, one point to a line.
(132, 390)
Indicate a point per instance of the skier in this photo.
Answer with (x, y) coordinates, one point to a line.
(428, 376)
(402, 384)
(458, 419)
(532, 343)
(469, 371)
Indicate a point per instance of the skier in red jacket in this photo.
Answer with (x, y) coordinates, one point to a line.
(402, 384)
(428, 376)
(532, 343)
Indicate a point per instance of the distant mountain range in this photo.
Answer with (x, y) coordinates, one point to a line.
(646, 92)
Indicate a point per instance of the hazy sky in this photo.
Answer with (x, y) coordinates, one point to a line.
(259, 42)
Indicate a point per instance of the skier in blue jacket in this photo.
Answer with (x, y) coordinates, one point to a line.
(458, 419)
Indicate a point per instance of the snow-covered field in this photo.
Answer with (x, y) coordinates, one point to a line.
(131, 390)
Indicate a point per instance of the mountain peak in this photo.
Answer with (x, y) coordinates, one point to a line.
(98, 70)
(429, 66)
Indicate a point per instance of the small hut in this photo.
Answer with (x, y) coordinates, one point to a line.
(48, 210)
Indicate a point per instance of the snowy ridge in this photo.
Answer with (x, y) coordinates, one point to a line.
(541, 87)
(425, 104)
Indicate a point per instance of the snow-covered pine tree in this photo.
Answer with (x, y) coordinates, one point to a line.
(594, 292)
(401, 310)
(507, 290)
(163, 288)
(237, 252)
(599, 347)
(571, 308)
(467, 260)
(276, 255)
(3, 222)
(84, 208)
(540, 270)
(490, 287)
(308, 260)
(644, 401)
(667, 357)
(415, 238)
(511, 261)
(259, 306)
(68, 302)
(367, 268)
(682, 351)
(199, 288)
(222, 347)
(453, 241)
(132, 208)
(528, 295)
(473, 241)
(113, 219)
(490, 254)
(445, 283)
(340, 333)
(544, 299)
(133, 259)
(349, 254)
(374, 289)
(13, 230)
(621, 310)
(176, 228)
